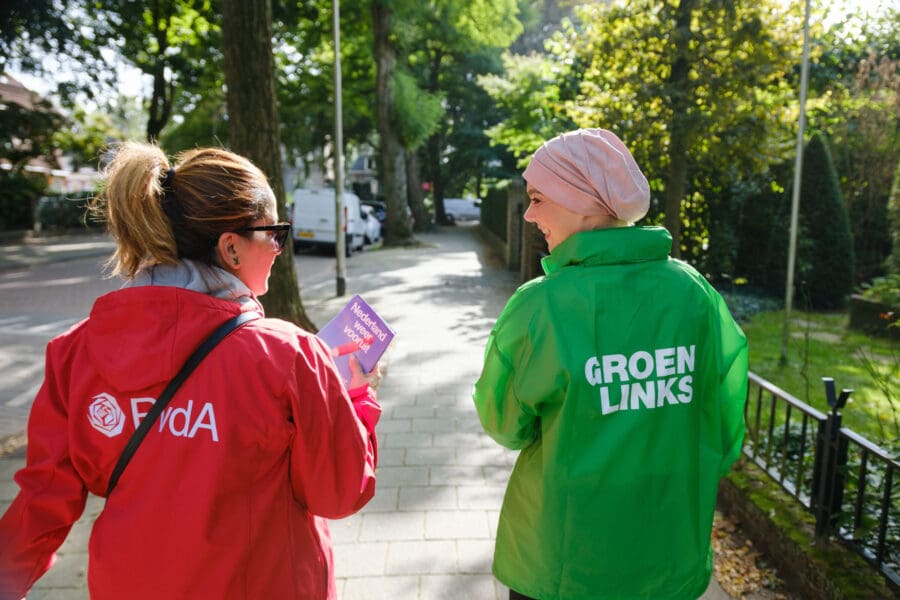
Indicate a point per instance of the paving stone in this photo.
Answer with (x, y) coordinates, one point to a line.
(398, 476)
(480, 497)
(464, 475)
(431, 497)
(345, 531)
(360, 559)
(422, 558)
(405, 440)
(458, 587)
(475, 556)
(413, 411)
(68, 574)
(381, 588)
(8, 468)
(58, 593)
(495, 456)
(431, 456)
(457, 410)
(386, 426)
(459, 440)
(433, 425)
(385, 498)
(430, 399)
(391, 457)
(455, 524)
(393, 526)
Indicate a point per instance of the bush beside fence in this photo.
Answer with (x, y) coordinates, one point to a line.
(63, 212)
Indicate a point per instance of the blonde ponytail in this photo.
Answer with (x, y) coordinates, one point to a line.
(132, 207)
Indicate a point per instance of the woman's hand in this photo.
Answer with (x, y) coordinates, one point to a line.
(359, 379)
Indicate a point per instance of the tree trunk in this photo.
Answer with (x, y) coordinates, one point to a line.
(437, 181)
(680, 95)
(675, 192)
(436, 143)
(161, 98)
(392, 165)
(414, 191)
(253, 129)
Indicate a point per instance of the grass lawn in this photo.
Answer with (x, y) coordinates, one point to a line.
(821, 345)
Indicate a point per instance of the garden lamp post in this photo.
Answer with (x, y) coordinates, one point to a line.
(795, 196)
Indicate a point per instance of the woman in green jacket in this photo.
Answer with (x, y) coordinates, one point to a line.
(621, 376)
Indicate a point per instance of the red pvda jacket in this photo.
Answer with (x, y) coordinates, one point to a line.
(228, 494)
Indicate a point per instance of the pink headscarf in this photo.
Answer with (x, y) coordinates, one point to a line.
(590, 172)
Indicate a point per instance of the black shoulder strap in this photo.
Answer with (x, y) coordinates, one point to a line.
(150, 418)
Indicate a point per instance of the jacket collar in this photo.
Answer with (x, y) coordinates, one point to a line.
(615, 245)
(198, 277)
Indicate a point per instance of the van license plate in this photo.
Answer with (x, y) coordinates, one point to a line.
(306, 234)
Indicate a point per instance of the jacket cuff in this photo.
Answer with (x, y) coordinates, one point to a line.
(359, 393)
(366, 406)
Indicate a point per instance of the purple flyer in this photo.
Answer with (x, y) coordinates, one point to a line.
(356, 329)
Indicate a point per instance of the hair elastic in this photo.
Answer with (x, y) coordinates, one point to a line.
(169, 203)
(170, 175)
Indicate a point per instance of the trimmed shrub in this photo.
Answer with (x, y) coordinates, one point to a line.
(831, 257)
(824, 266)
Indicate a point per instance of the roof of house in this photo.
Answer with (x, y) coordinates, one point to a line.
(12, 90)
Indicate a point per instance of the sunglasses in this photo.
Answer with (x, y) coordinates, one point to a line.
(280, 232)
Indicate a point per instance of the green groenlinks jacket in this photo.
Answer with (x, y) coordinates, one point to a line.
(622, 377)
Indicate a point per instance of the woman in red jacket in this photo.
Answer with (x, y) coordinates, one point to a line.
(227, 495)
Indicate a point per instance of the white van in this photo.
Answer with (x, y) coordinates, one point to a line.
(462, 209)
(312, 216)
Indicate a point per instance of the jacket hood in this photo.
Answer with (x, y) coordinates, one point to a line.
(141, 335)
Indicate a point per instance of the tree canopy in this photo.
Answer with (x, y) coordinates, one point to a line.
(693, 87)
(704, 92)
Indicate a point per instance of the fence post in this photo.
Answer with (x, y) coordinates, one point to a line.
(829, 463)
(534, 247)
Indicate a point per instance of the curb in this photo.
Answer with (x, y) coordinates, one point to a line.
(784, 533)
(31, 251)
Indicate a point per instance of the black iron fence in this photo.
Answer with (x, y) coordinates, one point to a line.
(849, 484)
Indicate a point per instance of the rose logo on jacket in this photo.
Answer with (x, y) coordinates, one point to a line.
(105, 415)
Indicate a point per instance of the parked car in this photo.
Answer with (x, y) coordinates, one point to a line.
(381, 211)
(462, 209)
(312, 216)
(379, 208)
(372, 225)
(62, 212)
